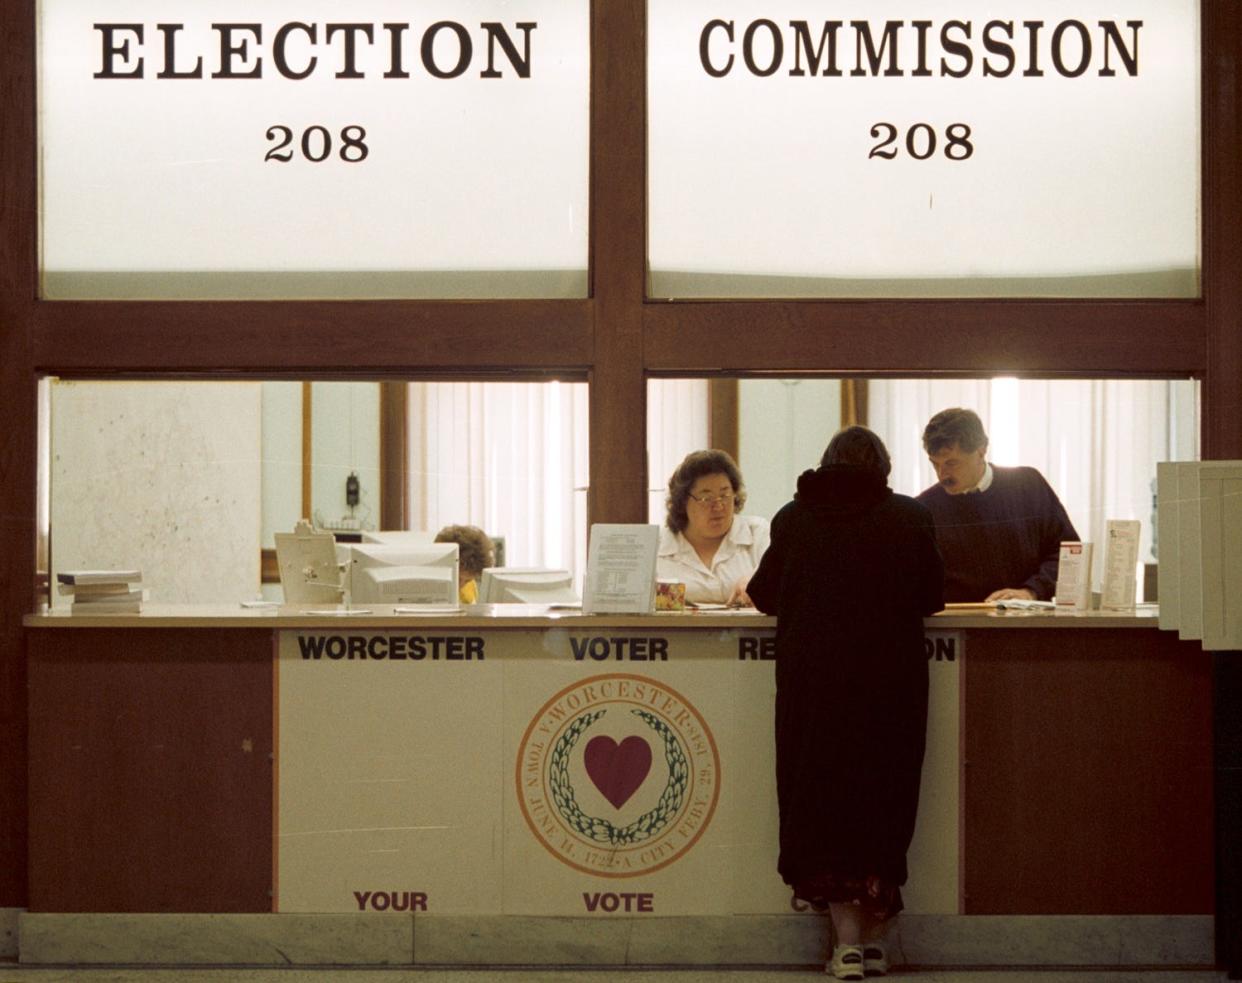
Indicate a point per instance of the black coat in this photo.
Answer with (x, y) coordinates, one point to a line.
(851, 572)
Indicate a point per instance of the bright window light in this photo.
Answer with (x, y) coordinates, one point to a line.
(553, 545)
(1003, 428)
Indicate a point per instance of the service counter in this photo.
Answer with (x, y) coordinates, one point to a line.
(519, 762)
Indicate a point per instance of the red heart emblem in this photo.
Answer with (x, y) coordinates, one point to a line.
(617, 769)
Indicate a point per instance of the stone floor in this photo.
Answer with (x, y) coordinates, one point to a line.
(13, 973)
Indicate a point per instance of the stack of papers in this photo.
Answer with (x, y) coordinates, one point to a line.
(1012, 604)
(102, 591)
(1023, 604)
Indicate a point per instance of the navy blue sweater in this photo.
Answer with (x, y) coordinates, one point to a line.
(1007, 536)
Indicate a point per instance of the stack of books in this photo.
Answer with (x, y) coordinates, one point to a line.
(102, 591)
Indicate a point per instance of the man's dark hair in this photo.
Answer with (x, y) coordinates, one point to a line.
(857, 447)
(954, 426)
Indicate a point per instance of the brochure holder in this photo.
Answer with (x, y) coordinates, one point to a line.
(621, 569)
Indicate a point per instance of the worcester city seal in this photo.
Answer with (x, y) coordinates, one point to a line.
(618, 775)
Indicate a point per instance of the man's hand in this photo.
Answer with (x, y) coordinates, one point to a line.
(1011, 594)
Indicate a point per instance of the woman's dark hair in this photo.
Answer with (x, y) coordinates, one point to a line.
(860, 448)
(474, 548)
(699, 464)
(954, 426)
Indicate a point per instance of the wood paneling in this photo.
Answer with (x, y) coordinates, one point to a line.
(1222, 230)
(1085, 338)
(394, 455)
(618, 391)
(308, 451)
(1227, 693)
(351, 338)
(723, 403)
(151, 770)
(854, 402)
(18, 410)
(1088, 773)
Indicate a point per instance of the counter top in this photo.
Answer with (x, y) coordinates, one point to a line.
(534, 616)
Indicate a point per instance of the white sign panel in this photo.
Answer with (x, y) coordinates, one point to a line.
(310, 149)
(1120, 584)
(916, 149)
(572, 771)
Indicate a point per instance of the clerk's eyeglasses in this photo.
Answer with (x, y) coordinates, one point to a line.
(710, 501)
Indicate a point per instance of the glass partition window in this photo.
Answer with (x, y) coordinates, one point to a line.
(282, 150)
(917, 150)
(510, 458)
(677, 423)
(1096, 441)
(189, 482)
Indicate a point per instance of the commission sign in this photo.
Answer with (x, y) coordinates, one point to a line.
(915, 149)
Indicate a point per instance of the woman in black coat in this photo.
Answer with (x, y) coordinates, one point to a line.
(850, 574)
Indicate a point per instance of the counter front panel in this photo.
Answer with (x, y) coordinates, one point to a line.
(558, 772)
(204, 760)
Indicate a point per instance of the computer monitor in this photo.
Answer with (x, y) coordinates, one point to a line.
(527, 585)
(398, 537)
(415, 573)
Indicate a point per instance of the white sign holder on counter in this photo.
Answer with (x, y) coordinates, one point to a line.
(621, 569)
(1074, 577)
(1120, 587)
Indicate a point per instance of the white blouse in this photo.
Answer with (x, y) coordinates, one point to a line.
(737, 557)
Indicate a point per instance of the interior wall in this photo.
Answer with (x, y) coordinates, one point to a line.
(162, 477)
(345, 425)
(282, 458)
(783, 427)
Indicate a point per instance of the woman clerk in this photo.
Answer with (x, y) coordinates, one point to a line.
(705, 543)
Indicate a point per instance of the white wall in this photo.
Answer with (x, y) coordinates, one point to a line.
(345, 424)
(783, 427)
(282, 458)
(159, 476)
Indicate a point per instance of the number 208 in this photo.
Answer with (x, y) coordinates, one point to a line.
(316, 144)
(921, 141)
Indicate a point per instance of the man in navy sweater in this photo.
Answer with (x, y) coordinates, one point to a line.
(999, 529)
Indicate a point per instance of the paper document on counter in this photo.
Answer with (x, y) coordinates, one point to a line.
(1074, 577)
(621, 569)
(99, 576)
(338, 612)
(428, 609)
(1120, 587)
(1024, 604)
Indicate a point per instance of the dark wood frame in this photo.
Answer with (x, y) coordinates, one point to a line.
(615, 337)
